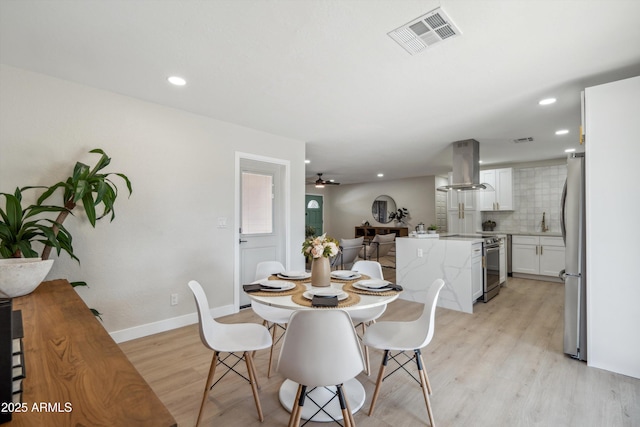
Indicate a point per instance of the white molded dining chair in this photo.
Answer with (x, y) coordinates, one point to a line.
(406, 336)
(367, 316)
(372, 269)
(228, 338)
(273, 317)
(320, 349)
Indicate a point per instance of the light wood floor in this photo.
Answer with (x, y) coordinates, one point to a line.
(501, 366)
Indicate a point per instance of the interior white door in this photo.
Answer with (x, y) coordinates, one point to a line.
(261, 228)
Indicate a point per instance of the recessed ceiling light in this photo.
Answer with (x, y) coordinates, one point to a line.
(562, 132)
(380, 175)
(178, 81)
(480, 161)
(570, 150)
(307, 161)
(547, 101)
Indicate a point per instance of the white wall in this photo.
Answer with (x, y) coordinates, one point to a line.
(182, 169)
(347, 206)
(612, 153)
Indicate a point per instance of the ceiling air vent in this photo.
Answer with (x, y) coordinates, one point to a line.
(521, 140)
(425, 31)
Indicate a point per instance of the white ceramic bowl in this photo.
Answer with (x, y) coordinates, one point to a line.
(21, 276)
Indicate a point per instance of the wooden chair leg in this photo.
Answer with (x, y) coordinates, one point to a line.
(212, 371)
(425, 392)
(424, 371)
(367, 365)
(344, 406)
(254, 388)
(424, 385)
(273, 343)
(383, 366)
(300, 404)
(352, 422)
(294, 408)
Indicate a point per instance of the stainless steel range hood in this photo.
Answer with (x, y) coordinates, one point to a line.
(466, 168)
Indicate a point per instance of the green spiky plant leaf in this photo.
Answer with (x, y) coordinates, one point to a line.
(19, 228)
(90, 186)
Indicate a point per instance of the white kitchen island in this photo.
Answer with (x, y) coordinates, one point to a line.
(458, 261)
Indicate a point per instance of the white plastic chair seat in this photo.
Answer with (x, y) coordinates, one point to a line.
(397, 336)
(240, 337)
(271, 314)
(367, 314)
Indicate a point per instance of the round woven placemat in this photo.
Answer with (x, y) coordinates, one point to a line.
(298, 289)
(348, 287)
(352, 299)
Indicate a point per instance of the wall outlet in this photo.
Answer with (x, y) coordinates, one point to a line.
(420, 254)
(174, 299)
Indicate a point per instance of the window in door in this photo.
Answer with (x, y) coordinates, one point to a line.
(257, 203)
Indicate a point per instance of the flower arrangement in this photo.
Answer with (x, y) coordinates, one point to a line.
(321, 246)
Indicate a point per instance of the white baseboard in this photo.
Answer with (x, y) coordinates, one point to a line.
(166, 325)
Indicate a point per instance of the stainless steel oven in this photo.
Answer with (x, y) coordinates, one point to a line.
(491, 264)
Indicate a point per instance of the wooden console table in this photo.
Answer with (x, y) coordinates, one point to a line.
(370, 232)
(75, 373)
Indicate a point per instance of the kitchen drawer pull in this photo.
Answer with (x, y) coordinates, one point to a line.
(536, 249)
(541, 249)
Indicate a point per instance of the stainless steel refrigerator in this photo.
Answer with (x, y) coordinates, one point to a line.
(574, 274)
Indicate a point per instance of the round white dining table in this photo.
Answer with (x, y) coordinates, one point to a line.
(320, 395)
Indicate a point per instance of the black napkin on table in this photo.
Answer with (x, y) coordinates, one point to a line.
(253, 287)
(324, 301)
(394, 287)
(390, 286)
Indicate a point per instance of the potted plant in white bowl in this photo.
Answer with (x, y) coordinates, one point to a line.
(23, 269)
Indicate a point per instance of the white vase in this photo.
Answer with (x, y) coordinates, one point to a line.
(321, 272)
(21, 276)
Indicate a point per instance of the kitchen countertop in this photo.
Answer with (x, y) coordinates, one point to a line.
(524, 233)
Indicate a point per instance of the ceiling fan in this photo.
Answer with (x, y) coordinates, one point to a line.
(320, 183)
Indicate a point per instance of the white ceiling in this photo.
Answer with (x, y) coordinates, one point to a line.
(325, 71)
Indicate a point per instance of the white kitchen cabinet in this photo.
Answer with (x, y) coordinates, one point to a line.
(462, 213)
(464, 200)
(476, 271)
(463, 222)
(501, 199)
(537, 255)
